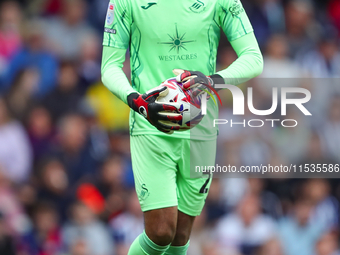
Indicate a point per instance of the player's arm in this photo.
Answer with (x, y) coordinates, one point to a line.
(116, 42)
(249, 63)
(239, 31)
(113, 76)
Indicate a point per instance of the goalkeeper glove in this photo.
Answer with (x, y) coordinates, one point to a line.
(197, 81)
(147, 106)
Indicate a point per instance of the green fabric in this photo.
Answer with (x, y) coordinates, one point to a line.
(135, 248)
(249, 63)
(143, 245)
(112, 74)
(165, 175)
(168, 35)
(177, 250)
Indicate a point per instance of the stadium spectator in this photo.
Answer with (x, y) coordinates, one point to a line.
(112, 186)
(298, 233)
(15, 151)
(315, 153)
(324, 60)
(10, 38)
(20, 96)
(245, 230)
(232, 189)
(53, 186)
(112, 175)
(85, 226)
(99, 139)
(33, 55)
(45, 238)
(89, 66)
(267, 17)
(15, 220)
(326, 208)
(128, 225)
(279, 65)
(270, 203)
(301, 27)
(119, 144)
(292, 143)
(65, 33)
(330, 130)
(7, 243)
(74, 150)
(41, 131)
(66, 95)
(99, 9)
(215, 207)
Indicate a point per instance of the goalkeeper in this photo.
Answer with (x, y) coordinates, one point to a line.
(162, 36)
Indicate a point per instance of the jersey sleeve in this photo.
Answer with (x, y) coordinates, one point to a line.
(117, 24)
(249, 63)
(233, 19)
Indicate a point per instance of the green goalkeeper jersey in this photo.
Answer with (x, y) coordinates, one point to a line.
(163, 35)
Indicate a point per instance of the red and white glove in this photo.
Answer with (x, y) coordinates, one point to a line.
(197, 81)
(147, 106)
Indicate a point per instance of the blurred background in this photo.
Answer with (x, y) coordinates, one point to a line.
(66, 184)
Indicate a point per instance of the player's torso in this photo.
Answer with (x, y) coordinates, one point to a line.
(172, 34)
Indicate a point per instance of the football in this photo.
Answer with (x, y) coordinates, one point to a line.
(190, 107)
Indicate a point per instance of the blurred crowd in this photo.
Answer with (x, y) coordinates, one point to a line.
(66, 183)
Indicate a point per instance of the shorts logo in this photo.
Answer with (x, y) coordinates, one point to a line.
(197, 7)
(236, 9)
(144, 194)
(110, 14)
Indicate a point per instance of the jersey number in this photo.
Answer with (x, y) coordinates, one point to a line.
(204, 188)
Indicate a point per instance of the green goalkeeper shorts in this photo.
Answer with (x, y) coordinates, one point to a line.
(161, 168)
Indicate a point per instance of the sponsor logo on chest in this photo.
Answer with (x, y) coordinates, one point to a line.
(178, 45)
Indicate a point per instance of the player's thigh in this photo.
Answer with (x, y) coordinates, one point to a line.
(192, 190)
(154, 171)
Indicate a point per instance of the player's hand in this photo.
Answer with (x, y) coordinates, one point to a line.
(147, 106)
(196, 81)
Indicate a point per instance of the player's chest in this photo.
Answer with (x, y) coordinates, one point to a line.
(175, 22)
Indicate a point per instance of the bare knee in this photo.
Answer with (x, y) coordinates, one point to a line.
(160, 225)
(181, 238)
(162, 234)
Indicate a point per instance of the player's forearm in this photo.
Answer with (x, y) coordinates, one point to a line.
(113, 76)
(249, 63)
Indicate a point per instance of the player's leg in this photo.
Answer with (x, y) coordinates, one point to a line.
(160, 225)
(155, 180)
(191, 192)
(180, 244)
(143, 245)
